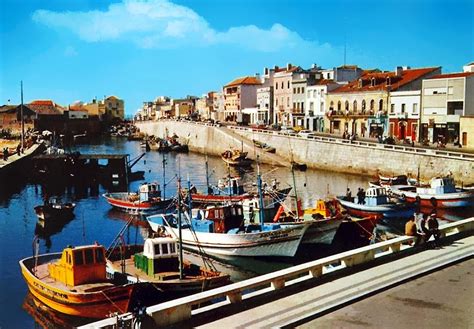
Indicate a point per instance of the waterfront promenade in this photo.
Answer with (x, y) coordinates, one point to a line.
(327, 153)
(298, 295)
(438, 300)
(306, 306)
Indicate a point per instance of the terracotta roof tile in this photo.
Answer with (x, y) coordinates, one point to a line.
(452, 75)
(324, 82)
(46, 107)
(244, 81)
(380, 78)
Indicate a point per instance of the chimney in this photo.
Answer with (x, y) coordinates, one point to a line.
(398, 71)
(276, 67)
(265, 71)
(288, 66)
(314, 66)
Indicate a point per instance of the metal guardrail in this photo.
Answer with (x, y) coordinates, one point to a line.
(182, 309)
(398, 148)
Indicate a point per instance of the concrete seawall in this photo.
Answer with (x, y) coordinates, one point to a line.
(323, 153)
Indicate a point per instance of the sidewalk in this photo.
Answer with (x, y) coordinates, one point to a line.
(306, 305)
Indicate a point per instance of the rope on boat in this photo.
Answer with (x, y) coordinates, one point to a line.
(112, 302)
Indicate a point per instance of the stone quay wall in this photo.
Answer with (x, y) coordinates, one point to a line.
(325, 153)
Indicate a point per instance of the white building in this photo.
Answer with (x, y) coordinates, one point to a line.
(404, 114)
(265, 103)
(316, 103)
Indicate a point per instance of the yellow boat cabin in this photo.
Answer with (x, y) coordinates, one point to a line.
(79, 266)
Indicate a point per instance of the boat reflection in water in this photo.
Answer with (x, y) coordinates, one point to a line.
(46, 317)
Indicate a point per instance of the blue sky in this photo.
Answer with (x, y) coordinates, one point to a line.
(69, 50)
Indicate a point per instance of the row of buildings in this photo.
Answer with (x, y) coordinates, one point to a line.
(79, 116)
(409, 104)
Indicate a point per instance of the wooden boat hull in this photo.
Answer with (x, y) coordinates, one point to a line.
(238, 163)
(94, 304)
(446, 200)
(119, 201)
(47, 212)
(381, 211)
(280, 242)
(319, 231)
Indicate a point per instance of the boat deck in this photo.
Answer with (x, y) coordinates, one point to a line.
(42, 274)
(131, 270)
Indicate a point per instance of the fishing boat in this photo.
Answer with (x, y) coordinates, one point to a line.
(323, 219)
(220, 231)
(54, 208)
(385, 181)
(440, 193)
(229, 189)
(236, 158)
(74, 282)
(264, 146)
(145, 201)
(157, 262)
(376, 203)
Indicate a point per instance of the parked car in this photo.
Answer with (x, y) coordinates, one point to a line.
(305, 133)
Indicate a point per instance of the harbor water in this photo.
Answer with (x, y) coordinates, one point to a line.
(95, 221)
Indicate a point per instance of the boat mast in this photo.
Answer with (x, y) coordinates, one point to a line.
(180, 238)
(296, 194)
(190, 200)
(261, 210)
(22, 121)
(207, 175)
(164, 177)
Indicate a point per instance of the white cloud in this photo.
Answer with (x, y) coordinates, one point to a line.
(163, 24)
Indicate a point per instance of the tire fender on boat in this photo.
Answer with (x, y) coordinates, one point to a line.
(403, 197)
(433, 201)
(418, 200)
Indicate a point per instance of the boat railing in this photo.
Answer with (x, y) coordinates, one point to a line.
(178, 310)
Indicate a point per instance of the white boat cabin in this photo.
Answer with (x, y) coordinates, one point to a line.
(375, 196)
(159, 257)
(438, 186)
(230, 185)
(148, 191)
(160, 248)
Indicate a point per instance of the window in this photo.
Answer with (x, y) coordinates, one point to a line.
(288, 84)
(164, 247)
(282, 85)
(89, 256)
(302, 106)
(363, 106)
(78, 258)
(276, 85)
(172, 248)
(157, 249)
(99, 255)
(294, 90)
(339, 105)
(381, 105)
(288, 101)
(372, 105)
(354, 106)
(415, 108)
(403, 108)
(302, 90)
(346, 106)
(392, 108)
(276, 101)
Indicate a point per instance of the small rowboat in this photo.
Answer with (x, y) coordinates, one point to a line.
(236, 158)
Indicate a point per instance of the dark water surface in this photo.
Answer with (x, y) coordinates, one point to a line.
(95, 221)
